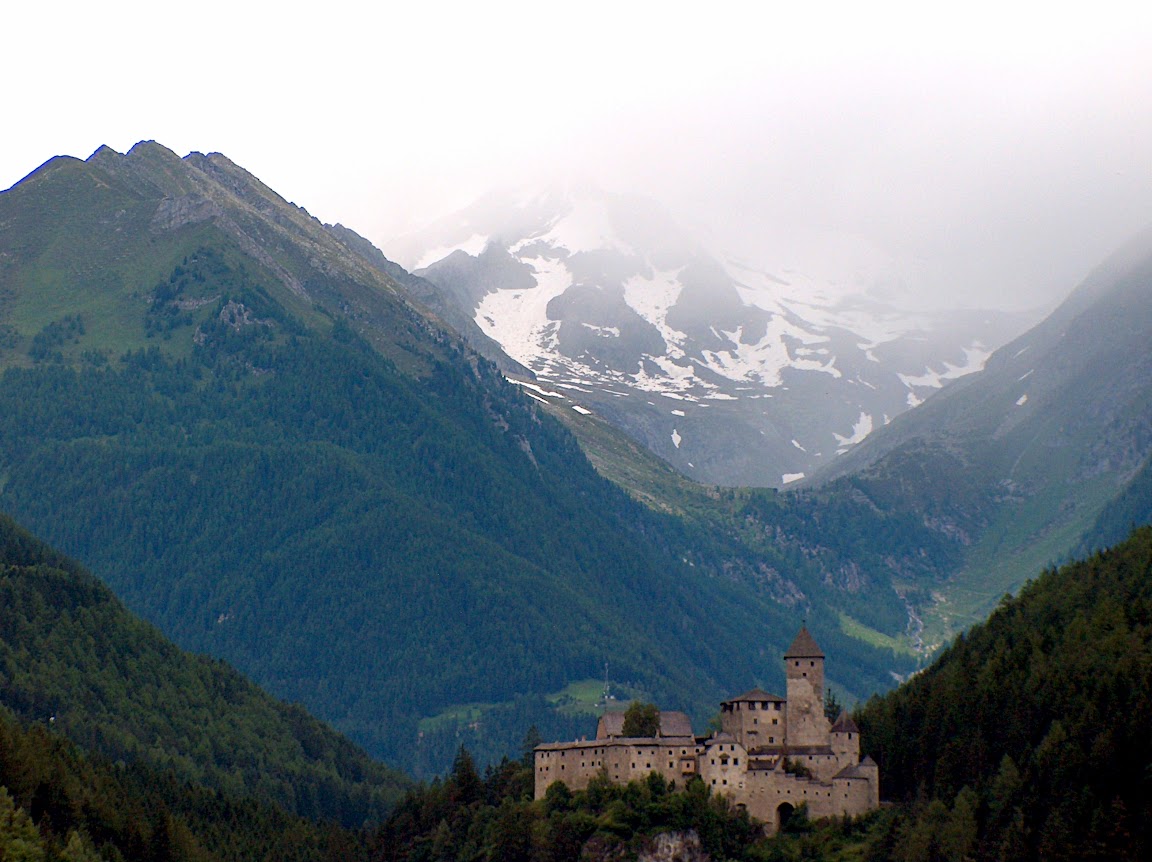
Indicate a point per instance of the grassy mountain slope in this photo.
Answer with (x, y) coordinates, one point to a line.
(1015, 464)
(74, 659)
(1034, 726)
(233, 418)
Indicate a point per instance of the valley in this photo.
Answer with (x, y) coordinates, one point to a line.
(269, 442)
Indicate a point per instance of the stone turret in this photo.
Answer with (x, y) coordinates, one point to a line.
(804, 670)
(845, 739)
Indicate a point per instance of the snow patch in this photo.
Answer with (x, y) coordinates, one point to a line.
(1025, 376)
(677, 412)
(537, 389)
(791, 477)
(518, 319)
(586, 227)
(676, 438)
(603, 331)
(974, 359)
(583, 411)
(472, 246)
(861, 429)
(651, 298)
(796, 443)
(1022, 400)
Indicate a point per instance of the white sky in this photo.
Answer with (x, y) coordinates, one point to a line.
(993, 152)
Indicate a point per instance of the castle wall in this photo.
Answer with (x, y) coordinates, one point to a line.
(755, 723)
(744, 761)
(623, 760)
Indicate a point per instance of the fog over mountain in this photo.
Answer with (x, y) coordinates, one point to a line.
(976, 155)
(735, 374)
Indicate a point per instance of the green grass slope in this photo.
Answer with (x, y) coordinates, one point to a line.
(1015, 464)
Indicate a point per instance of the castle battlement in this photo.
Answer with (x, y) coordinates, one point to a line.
(771, 755)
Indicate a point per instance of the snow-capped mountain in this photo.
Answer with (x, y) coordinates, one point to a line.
(734, 374)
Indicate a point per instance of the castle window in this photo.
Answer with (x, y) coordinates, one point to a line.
(771, 739)
(755, 721)
(812, 664)
(752, 706)
(805, 674)
(735, 761)
(797, 662)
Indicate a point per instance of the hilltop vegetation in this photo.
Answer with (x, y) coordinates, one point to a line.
(1028, 738)
(73, 659)
(61, 804)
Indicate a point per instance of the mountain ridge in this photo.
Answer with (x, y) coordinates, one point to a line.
(733, 374)
(237, 459)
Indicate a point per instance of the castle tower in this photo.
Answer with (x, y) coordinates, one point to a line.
(846, 740)
(804, 670)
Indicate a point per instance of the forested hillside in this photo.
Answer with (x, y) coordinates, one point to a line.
(1029, 737)
(61, 804)
(74, 660)
(242, 427)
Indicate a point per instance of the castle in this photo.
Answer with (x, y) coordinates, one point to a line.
(772, 754)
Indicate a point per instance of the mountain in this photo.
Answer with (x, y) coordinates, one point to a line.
(73, 658)
(1028, 738)
(1016, 463)
(239, 419)
(734, 375)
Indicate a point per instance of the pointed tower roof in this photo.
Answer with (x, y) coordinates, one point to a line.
(845, 724)
(804, 646)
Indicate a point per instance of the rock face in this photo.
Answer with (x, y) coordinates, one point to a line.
(674, 847)
(733, 374)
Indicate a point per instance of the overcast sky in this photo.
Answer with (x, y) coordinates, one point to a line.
(986, 153)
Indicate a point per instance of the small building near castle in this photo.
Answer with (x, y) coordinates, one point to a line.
(771, 755)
